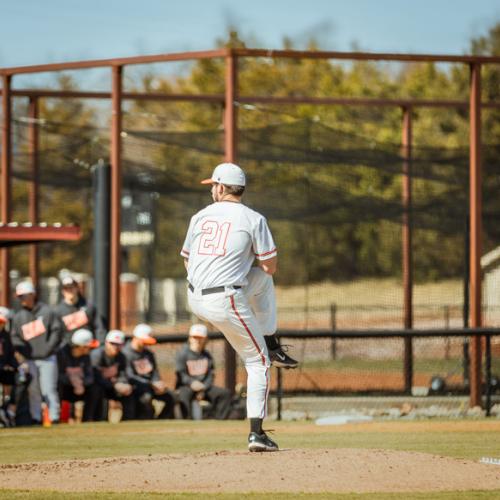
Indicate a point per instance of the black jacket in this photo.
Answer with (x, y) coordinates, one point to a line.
(6, 350)
(190, 366)
(36, 333)
(108, 371)
(69, 366)
(80, 315)
(141, 367)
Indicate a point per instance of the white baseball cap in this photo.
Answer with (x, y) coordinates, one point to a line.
(227, 173)
(199, 331)
(115, 337)
(25, 287)
(143, 332)
(84, 338)
(68, 280)
(4, 314)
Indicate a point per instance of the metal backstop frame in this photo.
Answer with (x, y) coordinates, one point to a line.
(230, 100)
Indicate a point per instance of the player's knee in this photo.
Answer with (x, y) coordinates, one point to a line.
(146, 398)
(261, 363)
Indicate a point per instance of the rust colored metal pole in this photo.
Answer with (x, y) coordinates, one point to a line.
(5, 204)
(210, 54)
(230, 110)
(126, 61)
(256, 99)
(475, 200)
(33, 188)
(407, 247)
(364, 56)
(115, 248)
(230, 150)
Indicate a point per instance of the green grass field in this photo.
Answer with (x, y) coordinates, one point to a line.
(381, 292)
(470, 439)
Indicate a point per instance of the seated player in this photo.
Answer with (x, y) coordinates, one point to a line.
(195, 376)
(76, 375)
(110, 372)
(142, 373)
(8, 371)
(75, 312)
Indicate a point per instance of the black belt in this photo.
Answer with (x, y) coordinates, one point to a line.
(215, 289)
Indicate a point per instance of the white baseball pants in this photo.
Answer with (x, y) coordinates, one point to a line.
(244, 316)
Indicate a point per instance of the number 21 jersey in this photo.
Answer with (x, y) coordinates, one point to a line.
(222, 242)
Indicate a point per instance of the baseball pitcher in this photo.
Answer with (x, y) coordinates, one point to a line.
(222, 243)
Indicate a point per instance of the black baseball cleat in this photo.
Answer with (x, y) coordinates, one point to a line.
(261, 442)
(278, 355)
(281, 359)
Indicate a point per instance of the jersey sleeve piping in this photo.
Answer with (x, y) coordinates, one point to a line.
(267, 255)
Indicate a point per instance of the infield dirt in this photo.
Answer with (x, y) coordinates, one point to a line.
(298, 470)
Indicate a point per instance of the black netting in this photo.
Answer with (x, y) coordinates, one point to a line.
(333, 199)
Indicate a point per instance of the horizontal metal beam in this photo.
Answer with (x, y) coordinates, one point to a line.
(219, 99)
(353, 334)
(208, 54)
(364, 56)
(121, 61)
(362, 101)
(83, 94)
(348, 334)
(12, 234)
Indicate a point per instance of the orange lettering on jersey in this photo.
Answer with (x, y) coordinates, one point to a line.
(143, 366)
(109, 372)
(33, 329)
(75, 320)
(197, 367)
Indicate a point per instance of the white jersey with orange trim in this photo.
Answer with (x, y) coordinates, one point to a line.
(222, 242)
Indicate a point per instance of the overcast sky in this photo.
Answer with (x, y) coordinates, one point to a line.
(36, 31)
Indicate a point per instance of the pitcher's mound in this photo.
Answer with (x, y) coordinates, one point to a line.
(322, 470)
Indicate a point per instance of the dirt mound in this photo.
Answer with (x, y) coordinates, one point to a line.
(322, 470)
